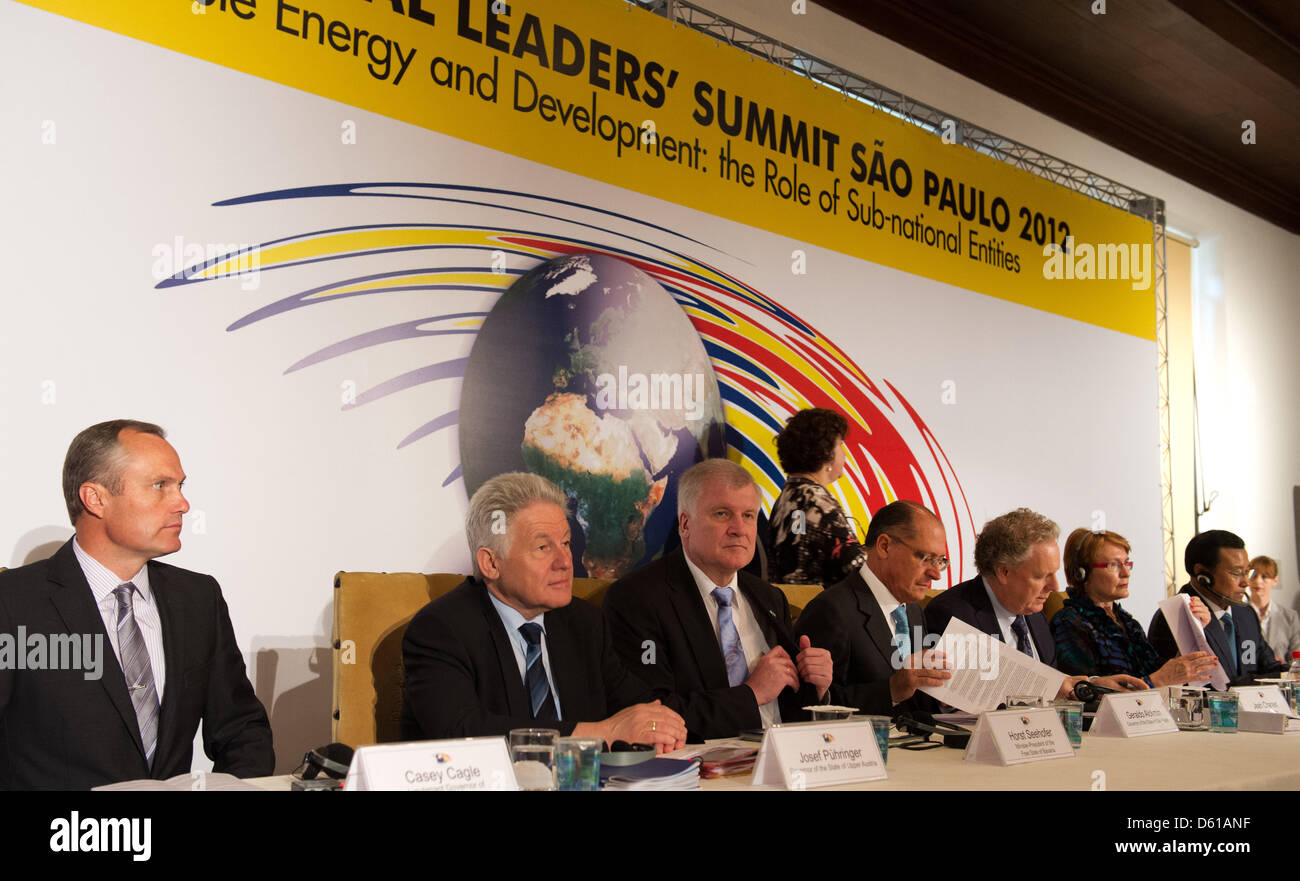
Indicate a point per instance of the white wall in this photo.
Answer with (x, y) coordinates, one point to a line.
(1244, 278)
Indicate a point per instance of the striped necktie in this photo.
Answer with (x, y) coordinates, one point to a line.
(539, 690)
(137, 669)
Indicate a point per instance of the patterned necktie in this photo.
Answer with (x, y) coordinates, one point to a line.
(137, 669)
(539, 690)
(902, 638)
(732, 651)
(1230, 631)
(1021, 630)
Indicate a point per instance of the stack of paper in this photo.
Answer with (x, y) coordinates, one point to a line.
(727, 761)
(659, 774)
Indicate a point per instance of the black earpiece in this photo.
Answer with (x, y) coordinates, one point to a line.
(1204, 580)
(1081, 574)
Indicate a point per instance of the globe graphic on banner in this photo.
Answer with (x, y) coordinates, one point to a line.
(589, 373)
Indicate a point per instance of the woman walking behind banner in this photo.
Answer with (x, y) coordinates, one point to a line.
(809, 539)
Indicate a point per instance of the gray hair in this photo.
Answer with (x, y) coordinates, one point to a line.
(691, 483)
(493, 508)
(1010, 539)
(96, 456)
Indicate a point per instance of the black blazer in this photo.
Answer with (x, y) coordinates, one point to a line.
(1249, 634)
(847, 620)
(59, 730)
(969, 601)
(663, 632)
(462, 679)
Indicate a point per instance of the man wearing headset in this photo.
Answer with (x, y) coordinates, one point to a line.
(1220, 570)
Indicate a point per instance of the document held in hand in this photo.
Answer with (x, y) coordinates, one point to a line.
(985, 670)
(1190, 636)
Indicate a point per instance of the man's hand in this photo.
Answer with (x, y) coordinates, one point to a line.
(1185, 668)
(920, 669)
(815, 666)
(1201, 613)
(773, 672)
(650, 723)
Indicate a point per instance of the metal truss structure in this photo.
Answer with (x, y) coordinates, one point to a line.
(1014, 153)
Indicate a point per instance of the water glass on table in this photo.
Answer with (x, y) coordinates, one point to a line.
(532, 750)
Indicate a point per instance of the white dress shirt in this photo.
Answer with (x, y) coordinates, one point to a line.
(742, 615)
(102, 584)
(1004, 621)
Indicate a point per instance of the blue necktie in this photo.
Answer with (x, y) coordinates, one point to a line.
(902, 637)
(539, 690)
(1230, 631)
(732, 652)
(137, 669)
(1021, 630)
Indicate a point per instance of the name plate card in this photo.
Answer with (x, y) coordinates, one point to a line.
(1018, 735)
(1133, 715)
(810, 754)
(474, 763)
(1261, 699)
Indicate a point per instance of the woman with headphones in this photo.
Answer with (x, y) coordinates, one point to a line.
(1094, 635)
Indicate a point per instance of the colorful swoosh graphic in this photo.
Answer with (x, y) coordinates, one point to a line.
(769, 363)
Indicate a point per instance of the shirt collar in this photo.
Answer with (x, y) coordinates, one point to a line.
(103, 581)
(998, 610)
(884, 598)
(511, 617)
(705, 584)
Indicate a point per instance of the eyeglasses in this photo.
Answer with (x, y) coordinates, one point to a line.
(1114, 565)
(935, 560)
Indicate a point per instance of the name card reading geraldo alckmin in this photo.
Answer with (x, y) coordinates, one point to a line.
(809, 754)
(1133, 715)
(1023, 734)
(474, 763)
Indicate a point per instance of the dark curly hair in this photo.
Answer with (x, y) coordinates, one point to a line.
(808, 440)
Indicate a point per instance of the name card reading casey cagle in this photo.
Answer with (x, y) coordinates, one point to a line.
(808, 754)
(474, 763)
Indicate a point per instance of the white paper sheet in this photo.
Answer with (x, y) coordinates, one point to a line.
(986, 670)
(1190, 636)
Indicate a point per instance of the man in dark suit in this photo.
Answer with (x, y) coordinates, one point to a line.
(512, 647)
(1220, 569)
(1017, 557)
(159, 653)
(871, 622)
(702, 632)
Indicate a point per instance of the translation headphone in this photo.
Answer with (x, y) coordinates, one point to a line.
(1081, 574)
(1207, 584)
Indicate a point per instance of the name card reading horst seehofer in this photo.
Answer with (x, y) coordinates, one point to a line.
(804, 755)
(1016, 736)
(474, 763)
(1133, 715)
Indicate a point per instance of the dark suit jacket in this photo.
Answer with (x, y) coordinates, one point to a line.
(1246, 623)
(682, 662)
(462, 679)
(969, 601)
(59, 730)
(847, 620)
